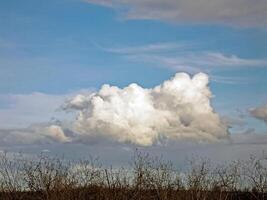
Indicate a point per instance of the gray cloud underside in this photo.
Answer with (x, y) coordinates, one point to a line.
(229, 12)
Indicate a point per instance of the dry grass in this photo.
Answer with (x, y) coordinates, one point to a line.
(148, 178)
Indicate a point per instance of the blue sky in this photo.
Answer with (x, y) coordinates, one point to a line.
(45, 44)
(59, 48)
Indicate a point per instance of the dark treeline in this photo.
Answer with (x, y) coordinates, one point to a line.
(47, 178)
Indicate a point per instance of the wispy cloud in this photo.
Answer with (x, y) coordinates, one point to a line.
(106, 3)
(185, 57)
(200, 60)
(149, 48)
(20, 110)
(228, 12)
(229, 80)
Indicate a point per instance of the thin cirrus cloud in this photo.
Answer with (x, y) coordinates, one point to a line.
(149, 48)
(178, 57)
(227, 12)
(203, 61)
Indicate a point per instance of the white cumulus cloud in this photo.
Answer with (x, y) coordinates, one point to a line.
(179, 108)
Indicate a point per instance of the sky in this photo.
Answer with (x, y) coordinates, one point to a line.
(171, 77)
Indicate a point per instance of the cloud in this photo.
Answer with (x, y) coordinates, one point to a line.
(240, 148)
(198, 61)
(55, 132)
(235, 13)
(231, 80)
(177, 109)
(34, 134)
(178, 57)
(21, 110)
(249, 137)
(260, 113)
(148, 48)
